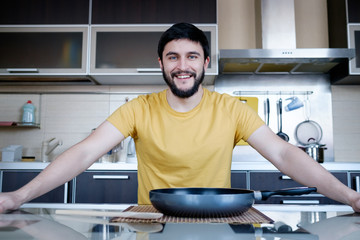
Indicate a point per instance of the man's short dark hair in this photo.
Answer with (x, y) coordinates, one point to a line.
(183, 31)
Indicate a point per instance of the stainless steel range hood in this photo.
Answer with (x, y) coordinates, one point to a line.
(283, 61)
(278, 53)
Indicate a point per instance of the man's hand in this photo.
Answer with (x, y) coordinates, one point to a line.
(9, 201)
(355, 202)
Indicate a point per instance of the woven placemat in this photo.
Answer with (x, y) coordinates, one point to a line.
(249, 217)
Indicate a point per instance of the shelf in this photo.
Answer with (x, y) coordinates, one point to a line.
(29, 125)
(239, 93)
(19, 124)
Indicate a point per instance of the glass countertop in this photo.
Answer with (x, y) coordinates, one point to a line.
(330, 223)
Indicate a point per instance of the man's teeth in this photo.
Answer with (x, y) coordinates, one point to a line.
(183, 76)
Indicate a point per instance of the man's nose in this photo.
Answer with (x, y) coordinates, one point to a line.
(182, 64)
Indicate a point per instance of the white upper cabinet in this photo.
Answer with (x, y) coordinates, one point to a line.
(122, 54)
(95, 41)
(43, 50)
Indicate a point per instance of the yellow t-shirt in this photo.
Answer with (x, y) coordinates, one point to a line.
(191, 149)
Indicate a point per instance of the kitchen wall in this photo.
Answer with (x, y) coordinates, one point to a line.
(71, 116)
(313, 90)
(238, 24)
(346, 124)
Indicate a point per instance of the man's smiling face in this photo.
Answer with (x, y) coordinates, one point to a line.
(183, 66)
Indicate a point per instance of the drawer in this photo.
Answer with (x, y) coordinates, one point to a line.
(106, 187)
(238, 179)
(355, 181)
(277, 180)
(13, 180)
(299, 200)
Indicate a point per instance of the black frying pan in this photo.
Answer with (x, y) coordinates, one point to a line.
(212, 202)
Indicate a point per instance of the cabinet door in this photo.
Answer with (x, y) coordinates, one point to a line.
(238, 179)
(106, 187)
(277, 180)
(353, 11)
(13, 180)
(43, 50)
(132, 51)
(45, 12)
(153, 11)
(354, 41)
(355, 181)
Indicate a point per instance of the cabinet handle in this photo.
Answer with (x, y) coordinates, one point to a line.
(66, 190)
(22, 70)
(120, 177)
(357, 183)
(300, 202)
(284, 177)
(153, 70)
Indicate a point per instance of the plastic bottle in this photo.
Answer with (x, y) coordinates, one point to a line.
(28, 113)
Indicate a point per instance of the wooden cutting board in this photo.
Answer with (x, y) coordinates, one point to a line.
(251, 216)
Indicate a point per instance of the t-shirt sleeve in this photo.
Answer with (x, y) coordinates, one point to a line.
(248, 121)
(123, 118)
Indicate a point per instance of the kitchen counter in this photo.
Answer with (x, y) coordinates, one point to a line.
(39, 221)
(250, 166)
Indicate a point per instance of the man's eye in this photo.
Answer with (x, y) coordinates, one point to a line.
(192, 57)
(172, 58)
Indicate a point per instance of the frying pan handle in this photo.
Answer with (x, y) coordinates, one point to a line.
(289, 192)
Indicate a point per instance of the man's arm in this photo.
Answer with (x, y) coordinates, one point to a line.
(295, 163)
(65, 167)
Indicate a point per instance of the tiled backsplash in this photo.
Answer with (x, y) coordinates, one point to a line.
(70, 117)
(346, 122)
(314, 89)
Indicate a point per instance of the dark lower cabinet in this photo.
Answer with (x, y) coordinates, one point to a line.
(355, 181)
(238, 179)
(277, 180)
(12, 180)
(310, 199)
(121, 186)
(105, 187)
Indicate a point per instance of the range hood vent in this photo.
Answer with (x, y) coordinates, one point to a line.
(278, 53)
(278, 61)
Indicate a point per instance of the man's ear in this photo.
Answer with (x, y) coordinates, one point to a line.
(206, 64)
(160, 63)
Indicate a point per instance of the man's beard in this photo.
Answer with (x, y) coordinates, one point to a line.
(184, 93)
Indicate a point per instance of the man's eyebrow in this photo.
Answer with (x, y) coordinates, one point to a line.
(171, 53)
(194, 52)
(175, 53)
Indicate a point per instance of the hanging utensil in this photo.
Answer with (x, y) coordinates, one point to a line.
(282, 135)
(308, 132)
(266, 111)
